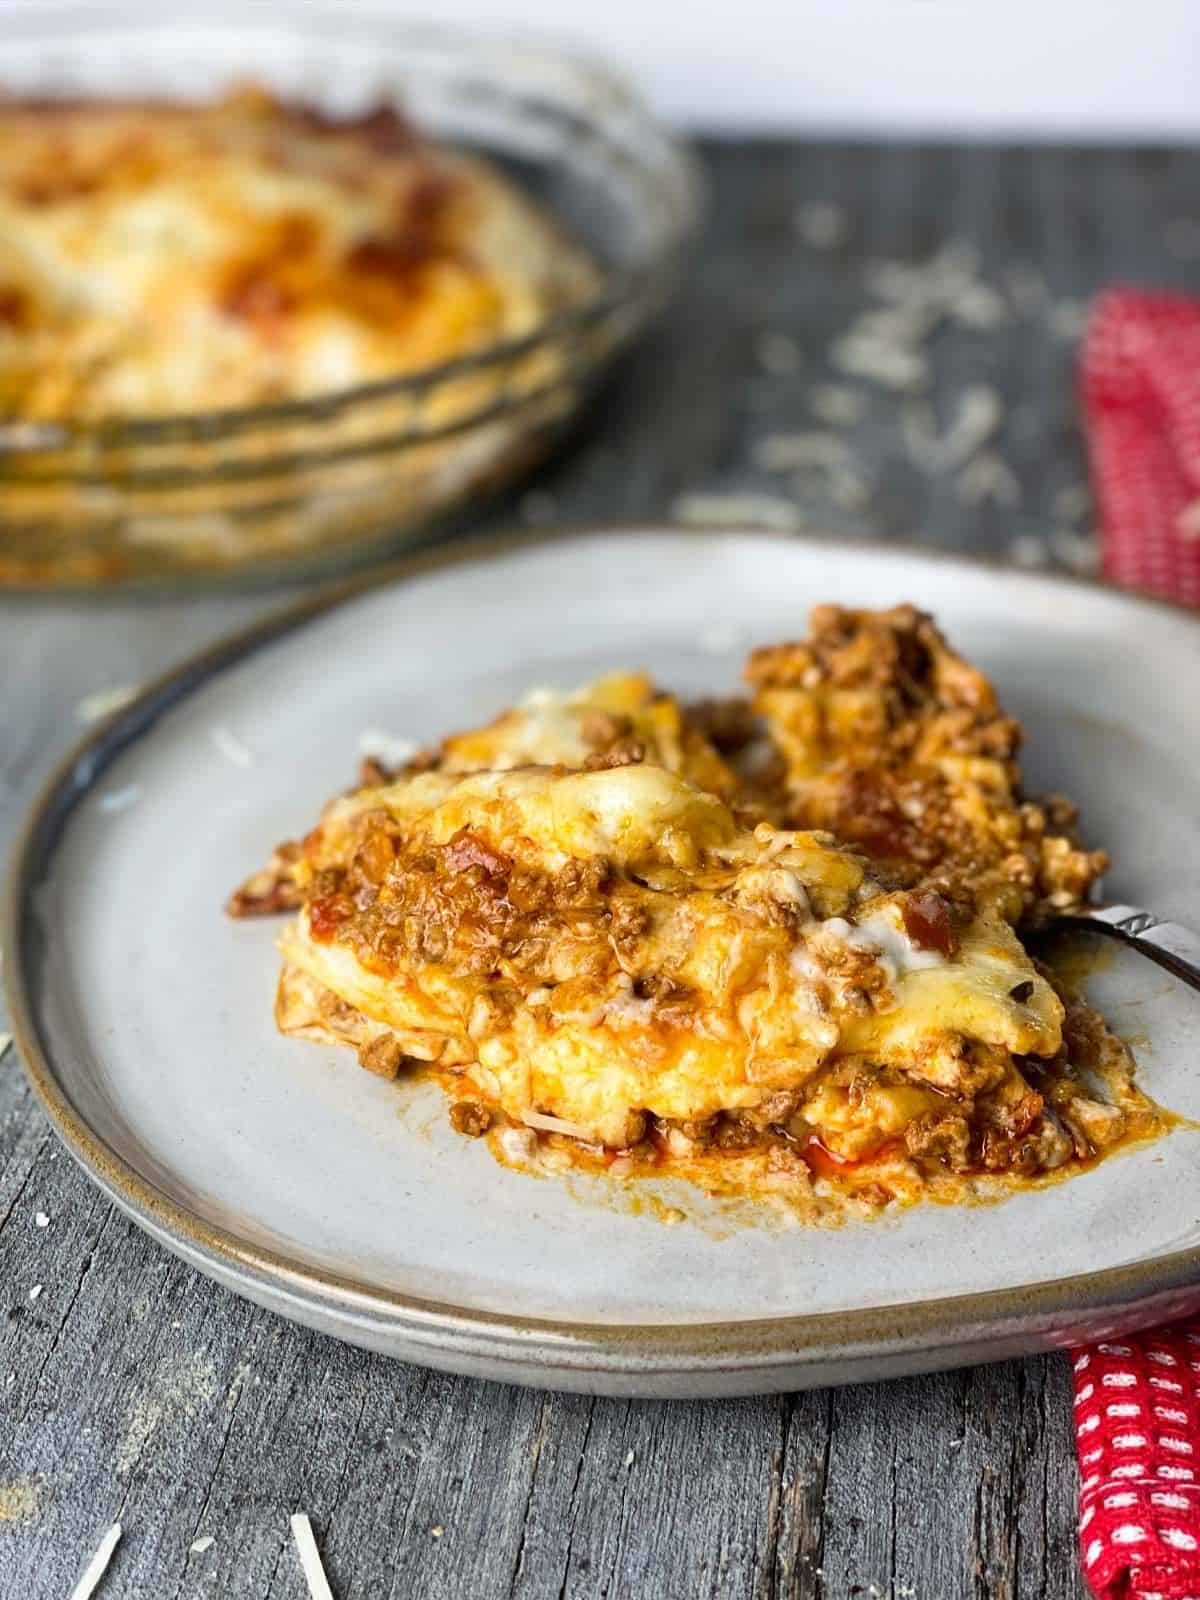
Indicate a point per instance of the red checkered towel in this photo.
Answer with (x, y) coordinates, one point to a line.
(1137, 1401)
(1141, 401)
(1137, 1427)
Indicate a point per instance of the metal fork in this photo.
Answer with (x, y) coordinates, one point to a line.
(1168, 943)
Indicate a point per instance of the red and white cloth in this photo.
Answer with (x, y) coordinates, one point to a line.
(1141, 401)
(1137, 1426)
(1137, 1400)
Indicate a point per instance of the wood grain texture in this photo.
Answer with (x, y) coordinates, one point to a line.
(131, 1388)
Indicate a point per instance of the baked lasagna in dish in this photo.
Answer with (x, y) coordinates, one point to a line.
(163, 258)
(772, 944)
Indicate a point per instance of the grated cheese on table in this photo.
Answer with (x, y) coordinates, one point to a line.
(887, 345)
(988, 477)
(784, 452)
(199, 1546)
(979, 306)
(979, 414)
(755, 510)
(97, 1566)
(890, 364)
(1075, 550)
(1028, 551)
(1072, 502)
(837, 405)
(849, 489)
(310, 1558)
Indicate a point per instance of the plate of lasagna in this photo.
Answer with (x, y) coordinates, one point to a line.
(625, 961)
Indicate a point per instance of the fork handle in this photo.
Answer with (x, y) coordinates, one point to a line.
(1168, 943)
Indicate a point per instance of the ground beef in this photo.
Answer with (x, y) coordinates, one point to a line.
(894, 743)
(382, 1055)
(470, 1118)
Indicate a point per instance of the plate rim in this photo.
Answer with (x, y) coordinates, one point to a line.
(944, 1324)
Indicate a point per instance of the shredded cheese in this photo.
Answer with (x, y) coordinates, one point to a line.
(889, 364)
(785, 452)
(837, 405)
(979, 306)
(310, 1558)
(980, 412)
(848, 489)
(1075, 550)
(548, 1124)
(988, 477)
(97, 1566)
(756, 510)
(1072, 501)
(1027, 550)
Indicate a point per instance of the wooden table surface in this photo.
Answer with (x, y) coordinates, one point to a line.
(132, 1388)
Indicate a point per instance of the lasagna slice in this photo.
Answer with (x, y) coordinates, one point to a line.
(609, 962)
(770, 945)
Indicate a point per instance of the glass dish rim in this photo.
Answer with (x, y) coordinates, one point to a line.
(598, 83)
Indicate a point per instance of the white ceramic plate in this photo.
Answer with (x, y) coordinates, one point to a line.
(347, 1203)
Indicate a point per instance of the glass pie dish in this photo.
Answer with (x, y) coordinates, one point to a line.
(304, 483)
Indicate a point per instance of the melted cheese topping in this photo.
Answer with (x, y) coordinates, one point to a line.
(622, 711)
(166, 258)
(789, 956)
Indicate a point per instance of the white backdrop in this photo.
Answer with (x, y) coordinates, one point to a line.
(1126, 69)
(1052, 67)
